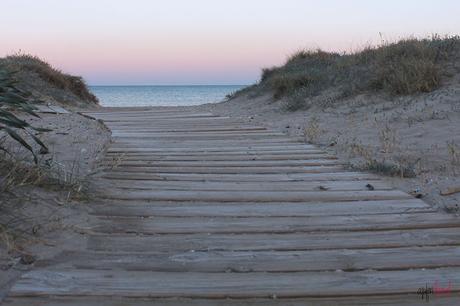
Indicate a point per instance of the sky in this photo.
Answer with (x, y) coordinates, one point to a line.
(173, 42)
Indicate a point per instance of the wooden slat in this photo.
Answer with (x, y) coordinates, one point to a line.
(248, 149)
(248, 209)
(216, 157)
(243, 186)
(333, 176)
(212, 130)
(219, 225)
(230, 170)
(256, 196)
(236, 133)
(251, 163)
(222, 285)
(244, 151)
(378, 299)
(264, 261)
(286, 242)
(199, 144)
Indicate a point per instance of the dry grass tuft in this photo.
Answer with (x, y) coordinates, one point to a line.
(312, 131)
(47, 174)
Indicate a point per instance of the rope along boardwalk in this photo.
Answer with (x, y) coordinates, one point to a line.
(197, 209)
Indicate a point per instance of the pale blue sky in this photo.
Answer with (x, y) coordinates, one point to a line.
(204, 41)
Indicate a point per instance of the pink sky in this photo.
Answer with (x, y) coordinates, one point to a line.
(204, 41)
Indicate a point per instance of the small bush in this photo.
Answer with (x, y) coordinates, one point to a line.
(288, 83)
(267, 73)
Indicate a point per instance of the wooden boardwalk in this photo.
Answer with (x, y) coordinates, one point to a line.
(197, 209)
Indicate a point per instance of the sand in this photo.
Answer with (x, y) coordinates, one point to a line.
(43, 216)
(417, 133)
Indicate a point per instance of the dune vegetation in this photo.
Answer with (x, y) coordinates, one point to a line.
(26, 80)
(407, 67)
(39, 77)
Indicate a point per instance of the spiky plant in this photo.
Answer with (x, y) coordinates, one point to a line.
(13, 100)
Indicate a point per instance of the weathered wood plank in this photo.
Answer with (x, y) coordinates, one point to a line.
(173, 120)
(199, 144)
(411, 299)
(280, 242)
(222, 285)
(333, 176)
(229, 170)
(218, 129)
(264, 261)
(217, 157)
(248, 209)
(248, 149)
(220, 225)
(194, 134)
(257, 196)
(242, 151)
(250, 163)
(242, 186)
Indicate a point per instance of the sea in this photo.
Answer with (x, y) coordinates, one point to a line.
(122, 96)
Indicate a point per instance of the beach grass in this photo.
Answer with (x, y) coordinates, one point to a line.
(406, 67)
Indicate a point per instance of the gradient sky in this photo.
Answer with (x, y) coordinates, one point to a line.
(204, 41)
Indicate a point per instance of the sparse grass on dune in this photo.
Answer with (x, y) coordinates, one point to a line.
(26, 64)
(409, 66)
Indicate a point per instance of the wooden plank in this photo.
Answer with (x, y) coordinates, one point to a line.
(248, 149)
(221, 225)
(381, 300)
(253, 152)
(266, 137)
(226, 128)
(167, 119)
(269, 209)
(189, 133)
(256, 196)
(175, 124)
(229, 170)
(222, 285)
(264, 261)
(240, 186)
(217, 157)
(198, 144)
(151, 118)
(250, 163)
(334, 176)
(279, 242)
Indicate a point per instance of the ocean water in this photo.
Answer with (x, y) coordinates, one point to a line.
(119, 96)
